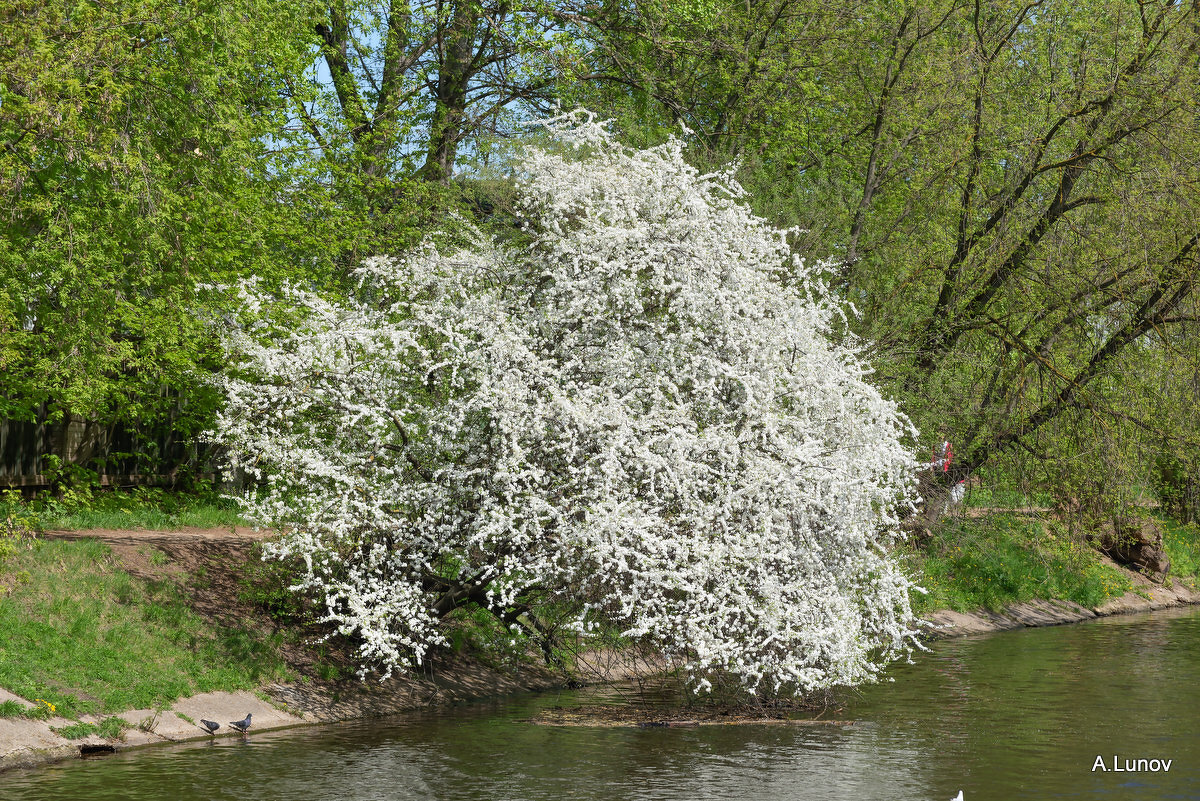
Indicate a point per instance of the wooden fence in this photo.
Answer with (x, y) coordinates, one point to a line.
(33, 454)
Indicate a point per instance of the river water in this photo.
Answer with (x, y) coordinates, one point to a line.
(1031, 714)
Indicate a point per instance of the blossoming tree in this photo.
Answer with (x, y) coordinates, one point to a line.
(639, 415)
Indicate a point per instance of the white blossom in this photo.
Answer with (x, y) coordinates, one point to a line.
(643, 409)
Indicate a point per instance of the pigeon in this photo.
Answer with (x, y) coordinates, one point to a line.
(241, 725)
(210, 726)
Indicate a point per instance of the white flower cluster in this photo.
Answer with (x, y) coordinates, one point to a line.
(641, 409)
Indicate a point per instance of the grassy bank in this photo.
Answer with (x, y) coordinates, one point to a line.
(85, 629)
(990, 562)
(82, 635)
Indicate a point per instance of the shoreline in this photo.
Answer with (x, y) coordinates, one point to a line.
(1146, 596)
(27, 743)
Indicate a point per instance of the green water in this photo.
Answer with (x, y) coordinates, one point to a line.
(1018, 715)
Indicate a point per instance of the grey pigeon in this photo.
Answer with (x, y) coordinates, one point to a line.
(208, 724)
(241, 725)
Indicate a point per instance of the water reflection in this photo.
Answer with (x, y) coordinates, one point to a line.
(1012, 716)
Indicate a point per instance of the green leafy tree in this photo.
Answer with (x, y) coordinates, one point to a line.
(401, 97)
(136, 160)
(403, 88)
(1008, 188)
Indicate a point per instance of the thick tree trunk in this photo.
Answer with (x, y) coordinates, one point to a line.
(457, 53)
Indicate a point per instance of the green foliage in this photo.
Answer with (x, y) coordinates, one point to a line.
(44, 710)
(110, 728)
(994, 561)
(77, 731)
(83, 507)
(138, 164)
(11, 709)
(153, 152)
(82, 627)
(477, 632)
(265, 584)
(973, 173)
(156, 149)
(327, 671)
(1176, 482)
(1181, 542)
(17, 522)
(1001, 497)
(471, 629)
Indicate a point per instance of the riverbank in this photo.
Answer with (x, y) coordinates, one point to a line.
(26, 742)
(1146, 596)
(191, 624)
(311, 685)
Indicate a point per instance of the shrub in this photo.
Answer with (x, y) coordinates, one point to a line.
(642, 414)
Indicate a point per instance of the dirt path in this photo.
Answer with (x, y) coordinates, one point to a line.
(184, 546)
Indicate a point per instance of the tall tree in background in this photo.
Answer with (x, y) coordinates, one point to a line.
(399, 96)
(411, 84)
(740, 77)
(1053, 209)
(135, 163)
(149, 148)
(1009, 189)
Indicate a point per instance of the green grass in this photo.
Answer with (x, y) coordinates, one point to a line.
(1005, 498)
(265, 584)
(16, 522)
(146, 507)
(77, 731)
(1182, 544)
(44, 710)
(88, 638)
(992, 562)
(112, 728)
(11, 709)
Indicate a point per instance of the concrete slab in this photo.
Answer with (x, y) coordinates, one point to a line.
(948, 623)
(1126, 604)
(25, 743)
(151, 726)
(225, 707)
(5, 695)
